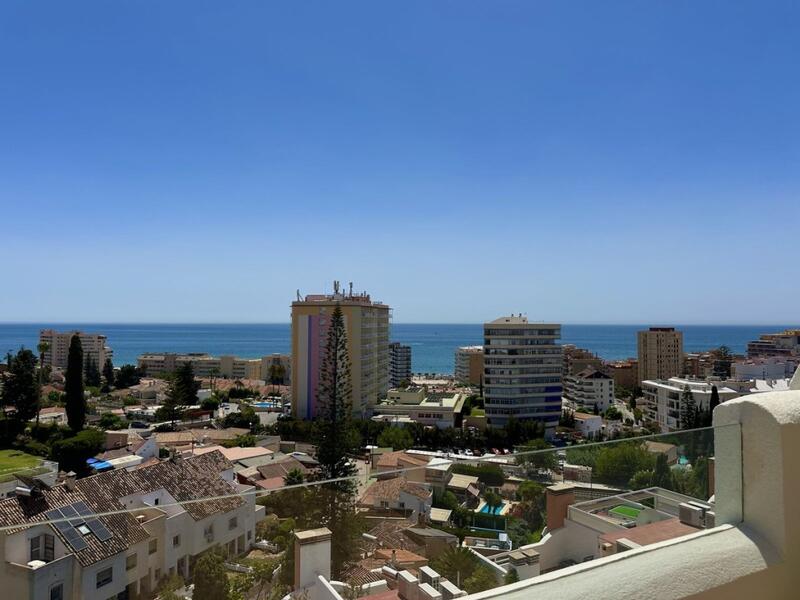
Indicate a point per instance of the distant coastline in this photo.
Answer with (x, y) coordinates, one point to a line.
(432, 344)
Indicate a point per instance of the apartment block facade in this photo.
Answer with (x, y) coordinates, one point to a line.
(400, 364)
(660, 353)
(522, 371)
(124, 554)
(95, 346)
(591, 388)
(469, 365)
(226, 366)
(367, 327)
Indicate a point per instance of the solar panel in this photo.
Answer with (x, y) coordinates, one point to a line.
(70, 513)
(82, 509)
(74, 539)
(99, 530)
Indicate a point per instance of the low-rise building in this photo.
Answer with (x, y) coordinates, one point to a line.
(625, 373)
(415, 404)
(577, 359)
(771, 367)
(590, 388)
(273, 368)
(398, 494)
(662, 398)
(589, 426)
(162, 531)
(786, 343)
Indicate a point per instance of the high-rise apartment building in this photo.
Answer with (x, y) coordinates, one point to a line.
(400, 364)
(522, 371)
(93, 344)
(469, 365)
(660, 353)
(367, 326)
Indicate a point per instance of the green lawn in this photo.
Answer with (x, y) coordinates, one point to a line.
(625, 511)
(14, 460)
(478, 412)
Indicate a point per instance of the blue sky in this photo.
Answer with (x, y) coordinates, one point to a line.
(581, 162)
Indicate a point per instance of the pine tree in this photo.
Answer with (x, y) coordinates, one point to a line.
(662, 475)
(336, 439)
(182, 392)
(73, 385)
(91, 374)
(22, 388)
(108, 373)
(688, 409)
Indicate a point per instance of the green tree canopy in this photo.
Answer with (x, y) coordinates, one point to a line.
(21, 388)
(181, 392)
(108, 373)
(397, 438)
(71, 453)
(210, 577)
(127, 376)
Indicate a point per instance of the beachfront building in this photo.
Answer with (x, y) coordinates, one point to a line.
(122, 554)
(660, 353)
(207, 366)
(414, 405)
(522, 371)
(367, 326)
(400, 364)
(95, 347)
(786, 343)
(469, 365)
(590, 388)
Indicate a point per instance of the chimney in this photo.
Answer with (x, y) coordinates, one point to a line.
(407, 586)
(69, 481)
(312, 556)
(558, 499)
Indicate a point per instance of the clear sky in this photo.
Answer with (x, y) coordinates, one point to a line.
(616, 162)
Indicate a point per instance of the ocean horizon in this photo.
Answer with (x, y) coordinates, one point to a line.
(432, 345)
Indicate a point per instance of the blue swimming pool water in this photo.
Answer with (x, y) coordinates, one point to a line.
(492, 510)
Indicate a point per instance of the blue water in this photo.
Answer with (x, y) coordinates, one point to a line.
(432, 346)
(488, 510)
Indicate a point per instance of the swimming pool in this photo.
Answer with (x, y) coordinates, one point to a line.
(492, 510)
(266, 405)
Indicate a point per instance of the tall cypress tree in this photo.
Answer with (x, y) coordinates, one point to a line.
(336, 439)
(73, 385)
(91, 374)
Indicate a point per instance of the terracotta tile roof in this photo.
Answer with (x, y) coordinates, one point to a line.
(652, 532)
(126, 531)
(390, 489)
(358, 575)
(399, 459)
(185, 480)
(390, 534)
(403, 557)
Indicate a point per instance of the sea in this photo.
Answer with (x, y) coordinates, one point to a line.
(432, 345)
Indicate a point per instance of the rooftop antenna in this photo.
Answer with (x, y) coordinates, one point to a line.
(298, 294)
(351, 289)
(335, 286)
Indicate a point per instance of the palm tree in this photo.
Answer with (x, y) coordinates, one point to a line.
(43, 349)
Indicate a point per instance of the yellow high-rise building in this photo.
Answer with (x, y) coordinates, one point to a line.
(367, 326)
(660, 353)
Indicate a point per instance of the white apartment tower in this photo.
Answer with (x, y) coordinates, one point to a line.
(522, 371)
(93, 344)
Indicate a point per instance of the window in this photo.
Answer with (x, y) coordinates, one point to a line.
(130, 562)
(57, 592)
(36, 548)
(208, 532)
(104, 577)
(232, 523)
(176, 541)
(152, 547)
(49, 547)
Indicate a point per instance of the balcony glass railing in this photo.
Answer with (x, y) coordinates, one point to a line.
(469, 518)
